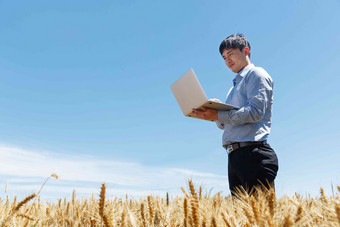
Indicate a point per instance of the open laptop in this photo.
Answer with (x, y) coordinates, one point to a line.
(190, 95)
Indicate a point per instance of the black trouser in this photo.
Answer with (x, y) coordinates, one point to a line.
(248, 166)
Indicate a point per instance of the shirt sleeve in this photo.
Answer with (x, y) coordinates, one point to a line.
(259, 88)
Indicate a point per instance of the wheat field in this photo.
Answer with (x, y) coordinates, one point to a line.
(194, 208)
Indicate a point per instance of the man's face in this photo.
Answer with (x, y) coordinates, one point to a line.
(235, 59)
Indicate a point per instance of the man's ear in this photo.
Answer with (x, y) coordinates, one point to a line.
(246, 51)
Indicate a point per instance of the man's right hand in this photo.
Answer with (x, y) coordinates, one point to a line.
(205, 113)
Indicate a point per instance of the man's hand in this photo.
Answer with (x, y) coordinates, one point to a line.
(215, 100)
(205, 113)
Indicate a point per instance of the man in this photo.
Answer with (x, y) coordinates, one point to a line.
(251, 161)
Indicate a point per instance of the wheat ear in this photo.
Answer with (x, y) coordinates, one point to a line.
(142, 214)
(298, 214)
(324, 198)
(26, 216)
(225, 220)
(204, 222)
(337, 210)
(248, 215)
(106, 220)
(167, 199)
(271, 202)
(122, 221)
(200, 193)
(185, 208)
(151, 210)
(255, 210)
(14, 210)
(28, 198)
(213, 222)
(194, 204)
(287, 221)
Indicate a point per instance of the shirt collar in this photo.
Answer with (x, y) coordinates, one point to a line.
(245, 70)
(242, 73)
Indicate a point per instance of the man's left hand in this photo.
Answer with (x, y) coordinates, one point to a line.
(206, 114)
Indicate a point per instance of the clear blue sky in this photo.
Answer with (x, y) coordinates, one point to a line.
(84, 92)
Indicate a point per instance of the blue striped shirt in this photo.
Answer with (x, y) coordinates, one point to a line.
(253, 93)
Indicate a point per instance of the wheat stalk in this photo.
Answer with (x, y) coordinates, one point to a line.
(184, 192)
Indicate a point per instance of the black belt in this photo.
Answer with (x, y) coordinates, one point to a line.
(234, 146)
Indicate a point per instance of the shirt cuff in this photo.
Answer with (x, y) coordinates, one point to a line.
(220, 125)
(223, 117)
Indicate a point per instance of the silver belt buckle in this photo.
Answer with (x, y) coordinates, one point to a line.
(230, 149)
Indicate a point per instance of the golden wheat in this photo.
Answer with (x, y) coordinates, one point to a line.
(192, 209)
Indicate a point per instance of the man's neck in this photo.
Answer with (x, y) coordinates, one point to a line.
(247, 63)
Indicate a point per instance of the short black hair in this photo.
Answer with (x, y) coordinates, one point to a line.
(233, 42)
